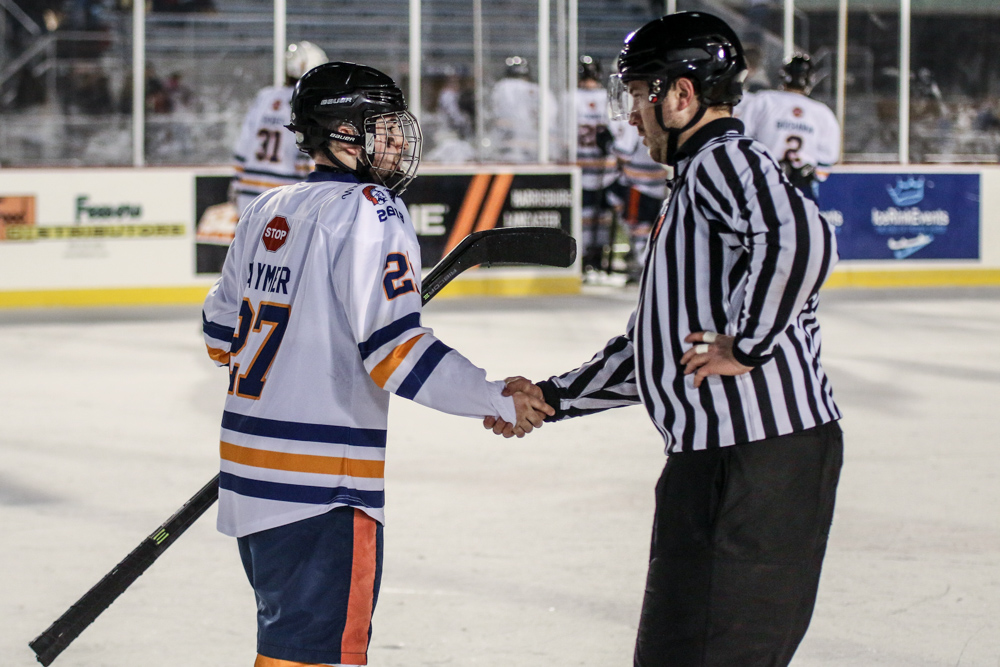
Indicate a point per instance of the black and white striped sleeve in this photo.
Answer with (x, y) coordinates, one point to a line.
(790, 248)
(606, 381)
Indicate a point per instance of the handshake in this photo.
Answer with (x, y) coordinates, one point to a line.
(530, 405)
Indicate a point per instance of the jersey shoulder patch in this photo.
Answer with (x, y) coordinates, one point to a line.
(377, 202)
(376, 195)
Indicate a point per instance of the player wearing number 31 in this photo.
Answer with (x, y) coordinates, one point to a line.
(723, 352)
(317, 317)
(264, 156)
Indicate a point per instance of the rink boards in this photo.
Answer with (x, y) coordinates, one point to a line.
(79, 237)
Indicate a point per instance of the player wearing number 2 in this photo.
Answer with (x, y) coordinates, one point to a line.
(317, 316)
(801, 133)
(264, 156)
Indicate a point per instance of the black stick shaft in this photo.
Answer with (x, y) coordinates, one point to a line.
(48, 645)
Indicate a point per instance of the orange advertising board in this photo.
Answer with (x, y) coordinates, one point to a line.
(16, 210)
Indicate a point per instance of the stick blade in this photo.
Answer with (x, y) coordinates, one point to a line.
(543, 246)
(508, 246)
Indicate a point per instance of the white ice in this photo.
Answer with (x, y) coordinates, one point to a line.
(499, 553)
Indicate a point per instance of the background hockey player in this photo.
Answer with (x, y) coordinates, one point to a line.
(514, 107)
(802, 133)
(317, 316)
(265, 156)
(642, 185)
(723, 352)
(598, 165)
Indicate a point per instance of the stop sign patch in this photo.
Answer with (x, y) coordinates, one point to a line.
(275, 234)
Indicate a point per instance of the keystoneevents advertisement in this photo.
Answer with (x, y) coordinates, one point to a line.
(900, 216)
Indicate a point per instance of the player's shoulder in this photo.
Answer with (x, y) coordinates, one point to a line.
(765, 95)
(271, 98)
(267, 93)
(375, 203)
(825, 111)
(809, 103)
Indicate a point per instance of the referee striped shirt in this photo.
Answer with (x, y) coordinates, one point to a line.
(736, 250)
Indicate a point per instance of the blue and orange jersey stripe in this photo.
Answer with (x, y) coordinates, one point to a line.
(310, 463)
(300, 493)
(388, 333)
(422, 370)
(288, 430)
(385, 368)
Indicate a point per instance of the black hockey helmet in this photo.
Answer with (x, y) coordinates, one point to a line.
(693, 45)
(589, 69)
(797, 73)
(369, 103)
(517, 67)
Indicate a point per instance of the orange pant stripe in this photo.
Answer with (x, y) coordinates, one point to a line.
(354, 645)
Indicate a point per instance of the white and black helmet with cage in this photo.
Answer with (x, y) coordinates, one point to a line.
(360, 106)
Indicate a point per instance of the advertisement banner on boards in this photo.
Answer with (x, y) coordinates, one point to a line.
(94, 228)
(444, 209)
(899, 216)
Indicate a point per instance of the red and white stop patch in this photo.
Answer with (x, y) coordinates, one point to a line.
(275, 234)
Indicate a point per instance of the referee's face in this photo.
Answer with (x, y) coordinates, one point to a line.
(643, 117)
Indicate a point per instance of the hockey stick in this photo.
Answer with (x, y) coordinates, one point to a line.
(523, 245)
(512, 245)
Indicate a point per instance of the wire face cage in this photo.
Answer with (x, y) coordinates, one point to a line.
(392, 144)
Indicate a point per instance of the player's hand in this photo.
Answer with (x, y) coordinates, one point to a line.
(712, 354)
(498, 426)
(529, 405)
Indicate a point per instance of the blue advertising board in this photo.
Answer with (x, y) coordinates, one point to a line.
(903, 215)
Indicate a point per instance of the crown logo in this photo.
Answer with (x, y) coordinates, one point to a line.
(907, 192)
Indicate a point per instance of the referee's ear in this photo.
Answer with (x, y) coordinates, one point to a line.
(687, 94)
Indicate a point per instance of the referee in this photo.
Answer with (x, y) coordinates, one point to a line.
(723, 351)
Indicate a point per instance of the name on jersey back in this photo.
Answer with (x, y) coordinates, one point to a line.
(268, 278)
(797, 127)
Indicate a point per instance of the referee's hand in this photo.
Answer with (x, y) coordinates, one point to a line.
(712, 354)
(530, 405)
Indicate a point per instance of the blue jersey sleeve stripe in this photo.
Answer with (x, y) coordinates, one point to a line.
(274, 428)
(298, 493)
(387, 333)
(428, 361)
(216, 331)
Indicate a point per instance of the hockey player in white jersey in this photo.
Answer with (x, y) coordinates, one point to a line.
(802, 133)
(317, 316)
(514, 109)
(598, 166)
(265, 155)
(643, 186)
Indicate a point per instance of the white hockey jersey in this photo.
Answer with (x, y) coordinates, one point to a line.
(317, 316)
(265, 155)
(514, 109)
(792, 126)
(597, 170)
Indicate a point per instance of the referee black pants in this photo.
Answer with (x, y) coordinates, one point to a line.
(738, 543)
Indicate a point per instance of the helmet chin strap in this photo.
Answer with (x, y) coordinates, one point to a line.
(674, 133)
(361, 170)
